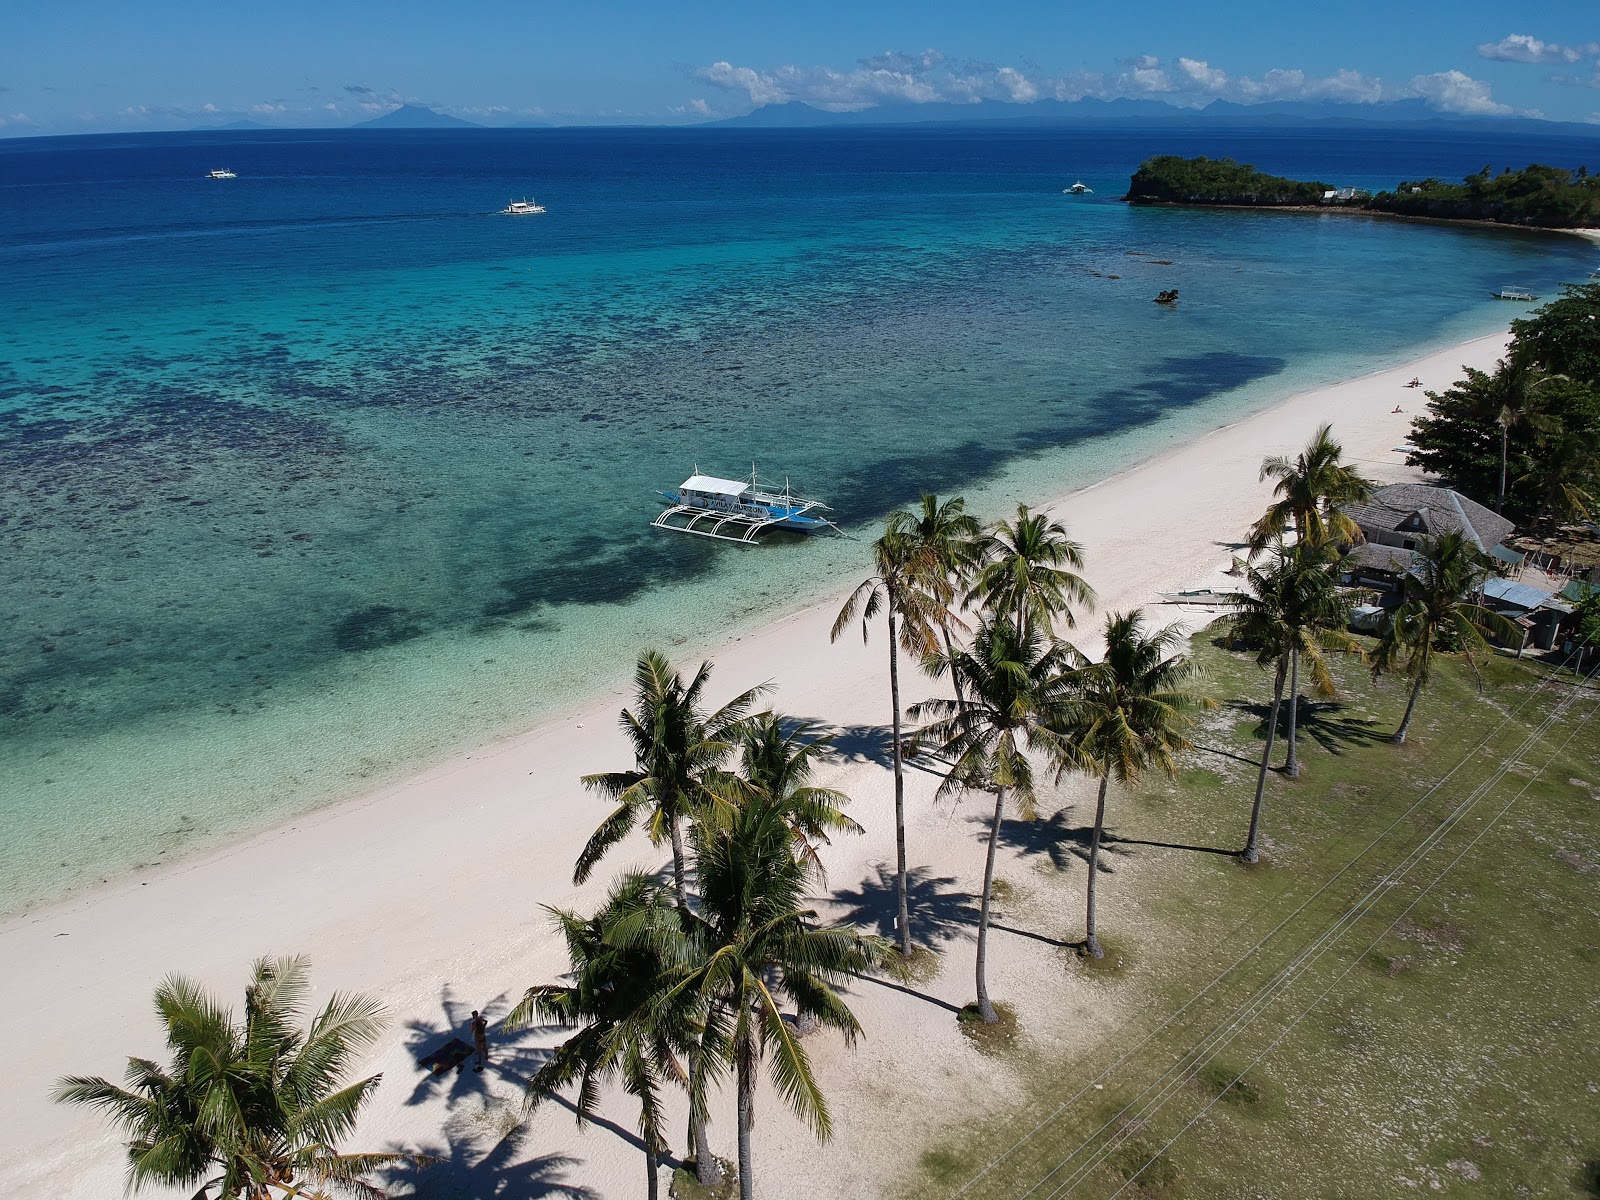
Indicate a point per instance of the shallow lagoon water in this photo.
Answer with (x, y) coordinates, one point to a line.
(316, 476)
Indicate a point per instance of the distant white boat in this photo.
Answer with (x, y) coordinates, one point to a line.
(221, 173)
(519, 208)
(1078, 189)
(1512, 292)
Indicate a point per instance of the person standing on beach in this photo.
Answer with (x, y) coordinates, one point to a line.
(480, 1038)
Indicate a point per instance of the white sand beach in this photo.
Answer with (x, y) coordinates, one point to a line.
(430, 894)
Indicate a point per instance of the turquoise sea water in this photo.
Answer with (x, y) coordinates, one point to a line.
(317, 475)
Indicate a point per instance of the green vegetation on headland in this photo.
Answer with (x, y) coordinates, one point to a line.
(1367, 996)
(1537, 196)
(1168, 179)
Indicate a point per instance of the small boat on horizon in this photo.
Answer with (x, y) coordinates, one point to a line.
(1078, 189)
(706, 506)
(221, 173)
(521, 208)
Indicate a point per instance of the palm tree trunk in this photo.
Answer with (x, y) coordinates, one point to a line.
(1091, 943)
(950, 657)
(986, 1009)
(707, 1170)
(678, 874)
(901, 886)
(1252, 848)
(1405, 721)
(651, 1167)
(1500, 496)
(747, 1114)
(1291, 763)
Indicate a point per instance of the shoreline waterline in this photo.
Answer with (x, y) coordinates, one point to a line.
(1143, 448)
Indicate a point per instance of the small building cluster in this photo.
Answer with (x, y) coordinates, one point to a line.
(1396, 520)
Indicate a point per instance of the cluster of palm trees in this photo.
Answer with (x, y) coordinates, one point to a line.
(982, 607)
(719, 972)
(1292, 610)
(685, 984)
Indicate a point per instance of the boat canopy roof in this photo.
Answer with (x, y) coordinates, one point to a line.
(711, 485)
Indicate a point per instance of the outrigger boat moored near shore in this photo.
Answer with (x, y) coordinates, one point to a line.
(736, 510)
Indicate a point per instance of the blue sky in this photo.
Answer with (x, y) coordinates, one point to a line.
(69, 66)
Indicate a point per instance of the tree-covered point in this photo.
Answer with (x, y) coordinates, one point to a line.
(1536, 195)
(1169, 179)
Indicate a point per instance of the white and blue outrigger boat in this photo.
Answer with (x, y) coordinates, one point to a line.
(736, 510)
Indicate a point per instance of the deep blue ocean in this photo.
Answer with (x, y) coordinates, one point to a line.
(316, 475)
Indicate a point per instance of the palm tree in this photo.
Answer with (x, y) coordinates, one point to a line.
(1514, 393)
(1439, 604)
(1309, 493)
(1311, 490)
(249, 1109)
(1567, 475)
(1018, 683)
(778, 762)
(625, 1032)
(1293, 608)
(756, 942)
(903, 587)
(1029, 572)
(678, 750)
(953, 540)
(1130, 713)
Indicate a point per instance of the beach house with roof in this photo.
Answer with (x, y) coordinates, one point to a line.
(1406, 514)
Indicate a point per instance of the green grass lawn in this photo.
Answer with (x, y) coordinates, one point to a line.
(1402, 999)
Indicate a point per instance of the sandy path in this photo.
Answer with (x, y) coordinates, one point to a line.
(429, 893)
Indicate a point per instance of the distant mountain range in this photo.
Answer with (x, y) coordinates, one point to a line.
(797, 114)
(416, 116)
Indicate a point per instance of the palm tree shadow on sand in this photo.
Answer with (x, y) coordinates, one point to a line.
(939, 913)
(484, 1131)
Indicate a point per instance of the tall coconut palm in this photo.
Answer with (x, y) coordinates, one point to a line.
(626, 1031)
(1309, 492)
(903, 587)
(778, 757)
(1029, 572)
(1018, 683)
(1292, 607)
(1130, 713)
(756, 943)
(953, 540)
(248, 1109)
(1439, 604)
(1514, 393)
(679, 751)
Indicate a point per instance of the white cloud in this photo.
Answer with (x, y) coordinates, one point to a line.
(930, 77)
(701, 107)
(1524, 48)
(1203, 75)
(1019, 87)
(19, 118)
(1454, 92)
(210, 108)
(268, 110)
